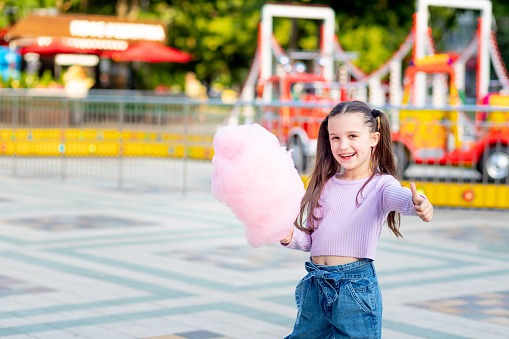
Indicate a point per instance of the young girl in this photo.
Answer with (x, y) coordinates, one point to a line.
(352, 192)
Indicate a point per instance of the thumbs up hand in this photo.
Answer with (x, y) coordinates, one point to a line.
(422, 206)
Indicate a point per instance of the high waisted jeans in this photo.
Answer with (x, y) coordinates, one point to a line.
(342, 301)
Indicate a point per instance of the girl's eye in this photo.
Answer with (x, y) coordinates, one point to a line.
(352, 136)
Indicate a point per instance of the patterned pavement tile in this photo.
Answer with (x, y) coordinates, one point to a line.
(199, 335)
(240, 258)
(486, 236)
(504, 321)
(10, 286)
(202, 334)
(71, 222)
(490, 307)
(178, 280)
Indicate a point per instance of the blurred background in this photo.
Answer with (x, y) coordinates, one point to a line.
(221, 37)
(135, 90)
(108, 110)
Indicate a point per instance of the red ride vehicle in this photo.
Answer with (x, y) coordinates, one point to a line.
(297, 127)
(452, 137)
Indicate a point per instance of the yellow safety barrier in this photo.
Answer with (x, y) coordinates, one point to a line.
(465, 195)
(94, 142)
(459, 195)
(98, 134)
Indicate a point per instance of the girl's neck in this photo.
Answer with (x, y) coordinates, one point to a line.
(354, 175)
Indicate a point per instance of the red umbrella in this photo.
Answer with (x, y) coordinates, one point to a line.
(56, 47)
(148, 51)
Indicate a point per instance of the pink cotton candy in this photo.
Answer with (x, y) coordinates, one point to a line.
(257, 180)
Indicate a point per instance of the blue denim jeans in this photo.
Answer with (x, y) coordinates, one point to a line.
(341, 301)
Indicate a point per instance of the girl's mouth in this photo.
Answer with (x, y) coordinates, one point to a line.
(347, 155)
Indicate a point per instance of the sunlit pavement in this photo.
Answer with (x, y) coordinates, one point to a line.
(81, 259)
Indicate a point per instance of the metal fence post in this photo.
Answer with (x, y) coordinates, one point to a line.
(121, 147)
(184, 144)
(15, 118)
(63, 167)
(258, 116)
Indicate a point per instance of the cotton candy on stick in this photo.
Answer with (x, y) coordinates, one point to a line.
(257, 180)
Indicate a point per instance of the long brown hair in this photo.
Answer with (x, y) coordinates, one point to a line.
(326, 166)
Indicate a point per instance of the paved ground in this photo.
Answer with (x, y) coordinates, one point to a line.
(83, 260)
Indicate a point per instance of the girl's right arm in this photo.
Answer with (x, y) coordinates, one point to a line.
(297, 240)
(288, 238)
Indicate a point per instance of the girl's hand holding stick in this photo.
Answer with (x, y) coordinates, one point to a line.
(288, 238)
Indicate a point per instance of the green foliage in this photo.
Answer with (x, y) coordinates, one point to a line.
(222, 34)
(374, 28)
(306, 31)
(391, 15)
(373, 44)
(502, 36)
(501, 10)
(149, 78)
(27, 80)
(13, 9)
(46, 78)
(282, 27)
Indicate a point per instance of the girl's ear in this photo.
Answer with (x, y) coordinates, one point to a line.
(375, 138)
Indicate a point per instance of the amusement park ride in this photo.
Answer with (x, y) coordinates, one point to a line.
(442, 137)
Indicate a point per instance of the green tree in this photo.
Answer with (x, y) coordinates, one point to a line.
(373, 28)
(501, 11)
(222, 34)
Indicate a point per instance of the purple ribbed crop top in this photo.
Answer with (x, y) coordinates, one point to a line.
(347, 229)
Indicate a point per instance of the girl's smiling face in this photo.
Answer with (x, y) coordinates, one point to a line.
(351, 144)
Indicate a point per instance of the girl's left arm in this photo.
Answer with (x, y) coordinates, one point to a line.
(406, 201)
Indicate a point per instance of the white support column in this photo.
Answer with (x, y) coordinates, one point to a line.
(420, 51)
(484, 64)
(361, 94)
(376, 97)
(270, 11)
(266, 52)
(459, 69)
(328, 49)
(395, 92)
